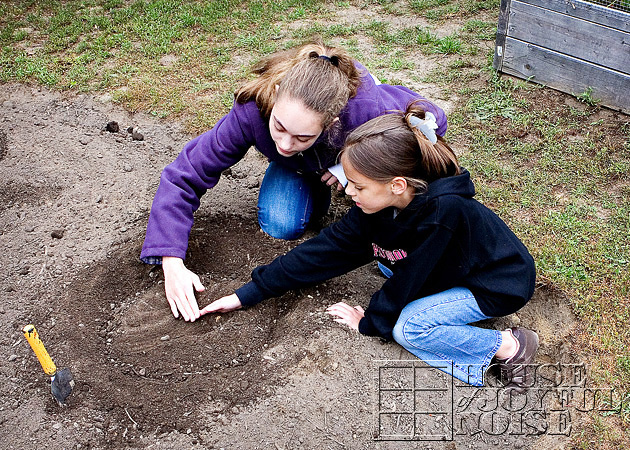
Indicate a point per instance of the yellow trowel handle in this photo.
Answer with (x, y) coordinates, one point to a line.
(40, 351)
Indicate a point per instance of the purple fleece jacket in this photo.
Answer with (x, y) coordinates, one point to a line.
(200, 163)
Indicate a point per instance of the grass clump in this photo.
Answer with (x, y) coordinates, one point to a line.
(105, 45)
(555, 175)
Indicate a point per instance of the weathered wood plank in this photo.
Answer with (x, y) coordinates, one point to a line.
(572, 36)
(504, 15)
(588, 11)
(566, 73)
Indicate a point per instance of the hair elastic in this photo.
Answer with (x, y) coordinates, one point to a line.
(331, 59)
(426, 126)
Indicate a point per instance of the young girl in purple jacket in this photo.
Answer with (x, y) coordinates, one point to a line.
(450, 260)
(297, 112)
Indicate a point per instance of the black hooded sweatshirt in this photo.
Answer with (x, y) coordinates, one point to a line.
(441, 240)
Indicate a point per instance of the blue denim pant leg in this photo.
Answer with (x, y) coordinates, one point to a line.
(288, 201)
(385, 270)
(436, 330)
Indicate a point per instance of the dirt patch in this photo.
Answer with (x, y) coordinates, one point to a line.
(3, 144)
(74, 204)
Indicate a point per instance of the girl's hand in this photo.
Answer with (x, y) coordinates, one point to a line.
(223, 305)
(330, 179)
(178, 284)
(346, 314)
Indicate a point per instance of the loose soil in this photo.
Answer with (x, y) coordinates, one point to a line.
(74, 202)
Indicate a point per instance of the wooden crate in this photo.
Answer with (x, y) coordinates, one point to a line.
(574, 46)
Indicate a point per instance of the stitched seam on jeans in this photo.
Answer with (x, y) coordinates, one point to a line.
(495, 349)
(479, 376)
(309, 199)
(486, 362)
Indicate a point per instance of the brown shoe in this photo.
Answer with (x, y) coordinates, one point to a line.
(517, 374)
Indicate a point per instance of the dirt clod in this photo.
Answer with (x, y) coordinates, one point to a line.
(112, 127)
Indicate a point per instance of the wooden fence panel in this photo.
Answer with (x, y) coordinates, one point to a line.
(574, 37)
(591, 12)
(567, 74)
(569, 45)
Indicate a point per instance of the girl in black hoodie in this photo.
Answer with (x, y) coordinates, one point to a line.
(450, 261)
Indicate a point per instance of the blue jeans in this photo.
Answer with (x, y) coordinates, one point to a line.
(436, 330)
(385, 270)
(288, 201)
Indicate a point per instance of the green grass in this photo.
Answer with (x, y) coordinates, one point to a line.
(102, 45)
(557, 173)
(116, 47)
(480, 29)
(587, 97)
(441, 10)
(561, 181)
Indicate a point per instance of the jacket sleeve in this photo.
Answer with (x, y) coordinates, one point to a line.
(183, 182)
(338, 249)
(407, 281)
(373, 100)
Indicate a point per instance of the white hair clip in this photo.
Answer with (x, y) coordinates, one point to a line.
(427, 126)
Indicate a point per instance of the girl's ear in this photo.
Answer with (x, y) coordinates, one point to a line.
(399, 185)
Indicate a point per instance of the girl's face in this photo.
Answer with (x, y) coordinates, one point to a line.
(371, 195)
(293, 127)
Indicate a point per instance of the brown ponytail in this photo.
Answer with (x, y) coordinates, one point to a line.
(322, 77)
(389, 146)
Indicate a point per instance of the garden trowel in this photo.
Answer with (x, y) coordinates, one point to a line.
(61, 381)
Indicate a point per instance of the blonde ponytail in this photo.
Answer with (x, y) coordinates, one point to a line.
(322, 77)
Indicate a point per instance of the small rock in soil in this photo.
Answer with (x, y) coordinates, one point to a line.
(23, 270)
(251, 182)
(57, 234)
(136, 135)
(112, 127)
(13, 357)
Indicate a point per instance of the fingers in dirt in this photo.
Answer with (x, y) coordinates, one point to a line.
(185, 309)
(173, 306)
(191, 302)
